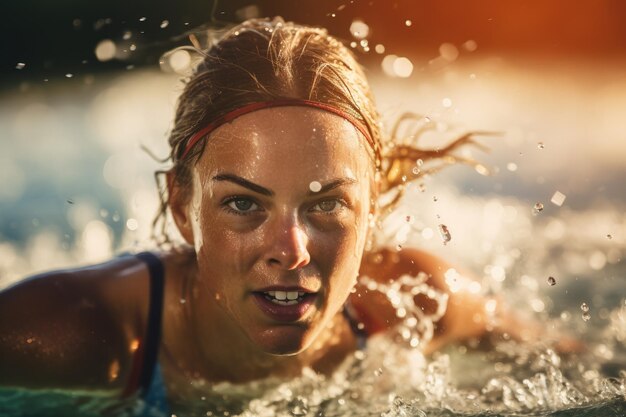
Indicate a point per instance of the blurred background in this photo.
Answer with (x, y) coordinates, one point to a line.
(85, 85)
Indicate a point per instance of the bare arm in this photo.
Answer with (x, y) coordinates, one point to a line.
(468, 314)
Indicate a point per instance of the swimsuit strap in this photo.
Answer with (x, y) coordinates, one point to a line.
(355, 325)
(146, 354)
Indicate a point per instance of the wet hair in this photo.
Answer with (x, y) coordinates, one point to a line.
(268, 59)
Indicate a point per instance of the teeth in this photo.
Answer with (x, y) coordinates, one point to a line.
(284, 298)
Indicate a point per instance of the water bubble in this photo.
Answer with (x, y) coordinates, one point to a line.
(127, 35)
(551, 281)
(133, 47)
(164, 24)
(446, 102)
(69, 75)
(421, 187)
(398, 248)
(537, 208)
(540, 145)
(558, 198)
(408, 219)
(380, 49)
(584, 307)
(20, 65)
(183, 301)
(104, 213)
(586, 316)
(415, 171)
(408, 23)
(353, 44)
(445, 233)
(116, 217)
(315, 186)
(435, 198)
(609, 236)
(511, 166)
(378, 372)
(142, 19)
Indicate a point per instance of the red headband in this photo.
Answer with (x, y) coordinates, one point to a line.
(248, 108)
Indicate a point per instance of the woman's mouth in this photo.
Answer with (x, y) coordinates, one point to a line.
(284, 305)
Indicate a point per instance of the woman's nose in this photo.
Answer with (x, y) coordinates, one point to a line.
(289, 250)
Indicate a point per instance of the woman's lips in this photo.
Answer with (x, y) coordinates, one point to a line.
(284, 306)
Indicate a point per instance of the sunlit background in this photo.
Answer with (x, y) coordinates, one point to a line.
(85, 87)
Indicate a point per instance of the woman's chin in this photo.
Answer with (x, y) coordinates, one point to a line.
(283, 340)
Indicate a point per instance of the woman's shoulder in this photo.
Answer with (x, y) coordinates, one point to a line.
(75, 328)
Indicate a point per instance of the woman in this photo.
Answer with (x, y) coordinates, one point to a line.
(278, 162)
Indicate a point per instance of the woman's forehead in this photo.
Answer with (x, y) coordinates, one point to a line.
(286, 137)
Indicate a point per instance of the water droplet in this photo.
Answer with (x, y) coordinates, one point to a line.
(446, 102)
(408, 23)
(105, 50)
(537, 208)
(20, 65)
(445, 233)
(470, 45)
(68, 75)
(315, 186)
(558, 199)
(402, 67)
(142, 19)
(511, 166)
(133, 47)
(540, 145)
(584, 307)
(164, 24)
(127, 35)
(132, 224)
(359, 29)
(551, 281)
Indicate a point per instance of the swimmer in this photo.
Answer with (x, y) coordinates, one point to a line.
(278, 161)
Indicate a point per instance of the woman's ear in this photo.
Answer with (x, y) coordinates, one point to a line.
(178, 201)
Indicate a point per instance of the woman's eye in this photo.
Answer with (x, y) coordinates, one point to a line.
(242, 205)
(327, 206)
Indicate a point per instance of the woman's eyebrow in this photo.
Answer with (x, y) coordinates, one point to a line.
(244, 183)
(265, 191)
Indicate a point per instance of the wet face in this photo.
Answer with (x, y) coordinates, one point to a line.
(278, 217)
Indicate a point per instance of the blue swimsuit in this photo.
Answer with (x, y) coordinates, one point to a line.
(148, 380)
